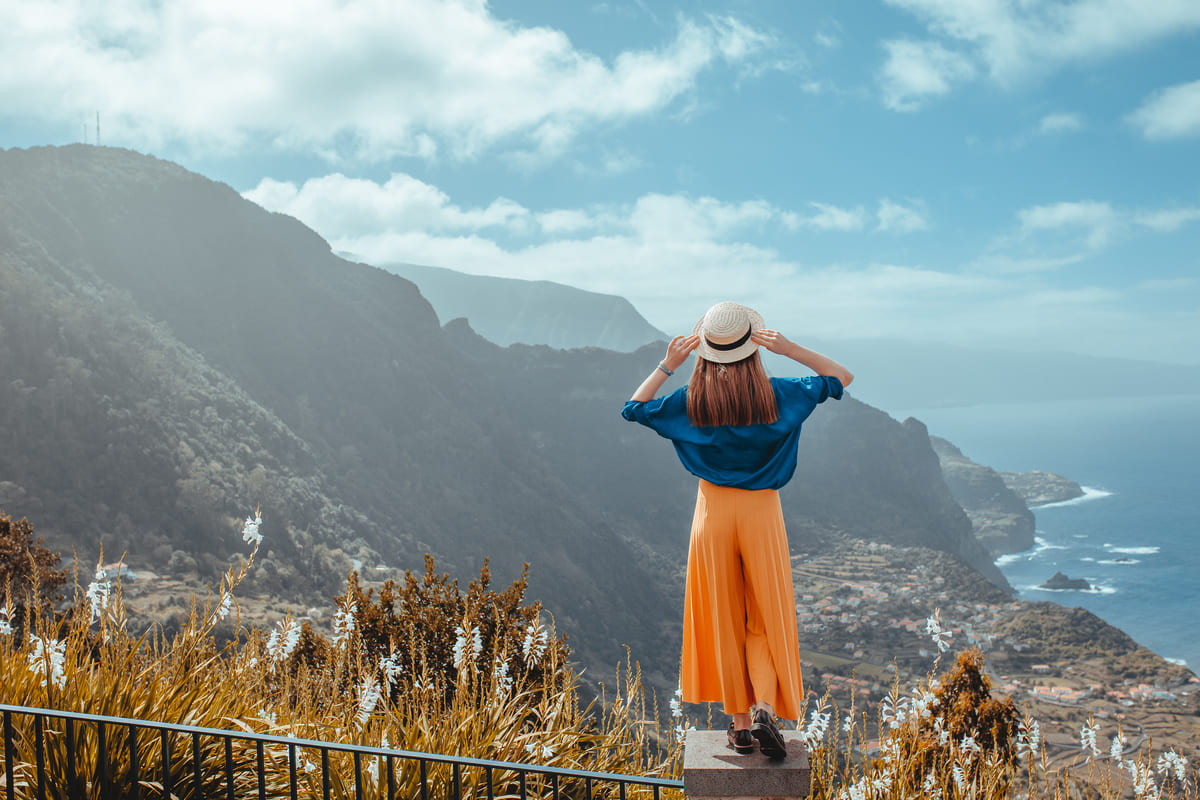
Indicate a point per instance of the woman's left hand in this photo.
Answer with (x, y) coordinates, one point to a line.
(774, 341)
(678, 351)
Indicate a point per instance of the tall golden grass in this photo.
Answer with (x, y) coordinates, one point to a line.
(424, 666)
(421, 666)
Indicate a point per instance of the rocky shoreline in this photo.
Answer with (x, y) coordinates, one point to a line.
(1037, 488)
(998, 503)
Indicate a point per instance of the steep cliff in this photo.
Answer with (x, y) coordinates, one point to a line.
(1002, 521)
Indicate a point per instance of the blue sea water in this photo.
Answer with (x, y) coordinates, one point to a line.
(1135, 537)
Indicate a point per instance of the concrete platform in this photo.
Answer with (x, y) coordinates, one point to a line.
(711, 769)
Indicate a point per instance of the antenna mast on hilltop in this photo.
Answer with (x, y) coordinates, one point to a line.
(97, 129)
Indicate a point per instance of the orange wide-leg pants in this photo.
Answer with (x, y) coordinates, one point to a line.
(740, 644)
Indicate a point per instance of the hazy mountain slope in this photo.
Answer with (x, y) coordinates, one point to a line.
(349, 357)
(115, 435)
(506, 310)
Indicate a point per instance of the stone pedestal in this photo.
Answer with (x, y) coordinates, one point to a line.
(711, 769)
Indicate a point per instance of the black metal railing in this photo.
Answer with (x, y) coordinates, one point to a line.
(65, 755)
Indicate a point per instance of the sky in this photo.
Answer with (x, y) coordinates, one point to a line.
(1012, 174)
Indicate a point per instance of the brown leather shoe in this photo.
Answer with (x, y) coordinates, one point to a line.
(741, 741)
(770, 740)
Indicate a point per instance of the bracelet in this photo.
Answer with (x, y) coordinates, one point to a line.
(668, 372)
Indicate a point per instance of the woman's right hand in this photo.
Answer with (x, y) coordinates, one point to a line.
(678, 351)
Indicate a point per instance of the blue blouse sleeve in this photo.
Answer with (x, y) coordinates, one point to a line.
(814, 388)
(662, 414)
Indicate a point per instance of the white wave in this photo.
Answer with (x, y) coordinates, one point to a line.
(1180, 661)
(1148, 550)
(1041, 544)
(1118, 561)
(1089, 493)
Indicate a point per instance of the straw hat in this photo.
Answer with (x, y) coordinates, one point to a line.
(724, 333)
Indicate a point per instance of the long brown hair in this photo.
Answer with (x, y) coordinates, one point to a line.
(730, 394)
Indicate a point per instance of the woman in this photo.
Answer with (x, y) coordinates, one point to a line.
(737, 430)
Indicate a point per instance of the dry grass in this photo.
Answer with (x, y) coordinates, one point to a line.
(427, 667)
(422, 667)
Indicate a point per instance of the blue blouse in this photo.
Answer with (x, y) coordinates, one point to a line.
(741, 456)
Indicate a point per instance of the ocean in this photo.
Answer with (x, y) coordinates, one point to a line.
(1135, 536)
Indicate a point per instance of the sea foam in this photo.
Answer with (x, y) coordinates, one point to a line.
(1133, 551)
(1089, 493)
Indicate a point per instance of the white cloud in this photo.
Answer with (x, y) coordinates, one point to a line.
(354, 206)
(359, 79)
(1098, 219)
(1171, 113)
(1015, 40)
(1167, 220)
(900, 218)
(916, 71)
(1061, 122)
(674, 255)
(829, 218)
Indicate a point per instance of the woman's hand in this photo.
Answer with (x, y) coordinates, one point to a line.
(774, 341)
(678, 351)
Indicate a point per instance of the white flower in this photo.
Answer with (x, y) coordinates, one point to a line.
(368, 698)
(1029, 738)
(922, 702)
(390, 666)
(53, 652)
(1143, 780)
(5, 625)
(818, 722)
(503, 679)
(677, 703)
(1118, 747)
(891, 751)
(250, 532)
(223, 609)
(535, 643)
(373, 769)
(847, 723)
(894, 711)
(933, 627)
(1087, 739)
(969, 744)
(960, 778)
(467, 647)
(343, 623)
(283, 640)
(1173, 761)
(547, 751)
(930, 788)
(97, 593)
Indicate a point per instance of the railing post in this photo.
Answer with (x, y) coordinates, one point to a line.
(10, 756)
(713, 771)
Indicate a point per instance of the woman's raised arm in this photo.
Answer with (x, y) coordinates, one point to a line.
(776, 342)
(677, 354)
